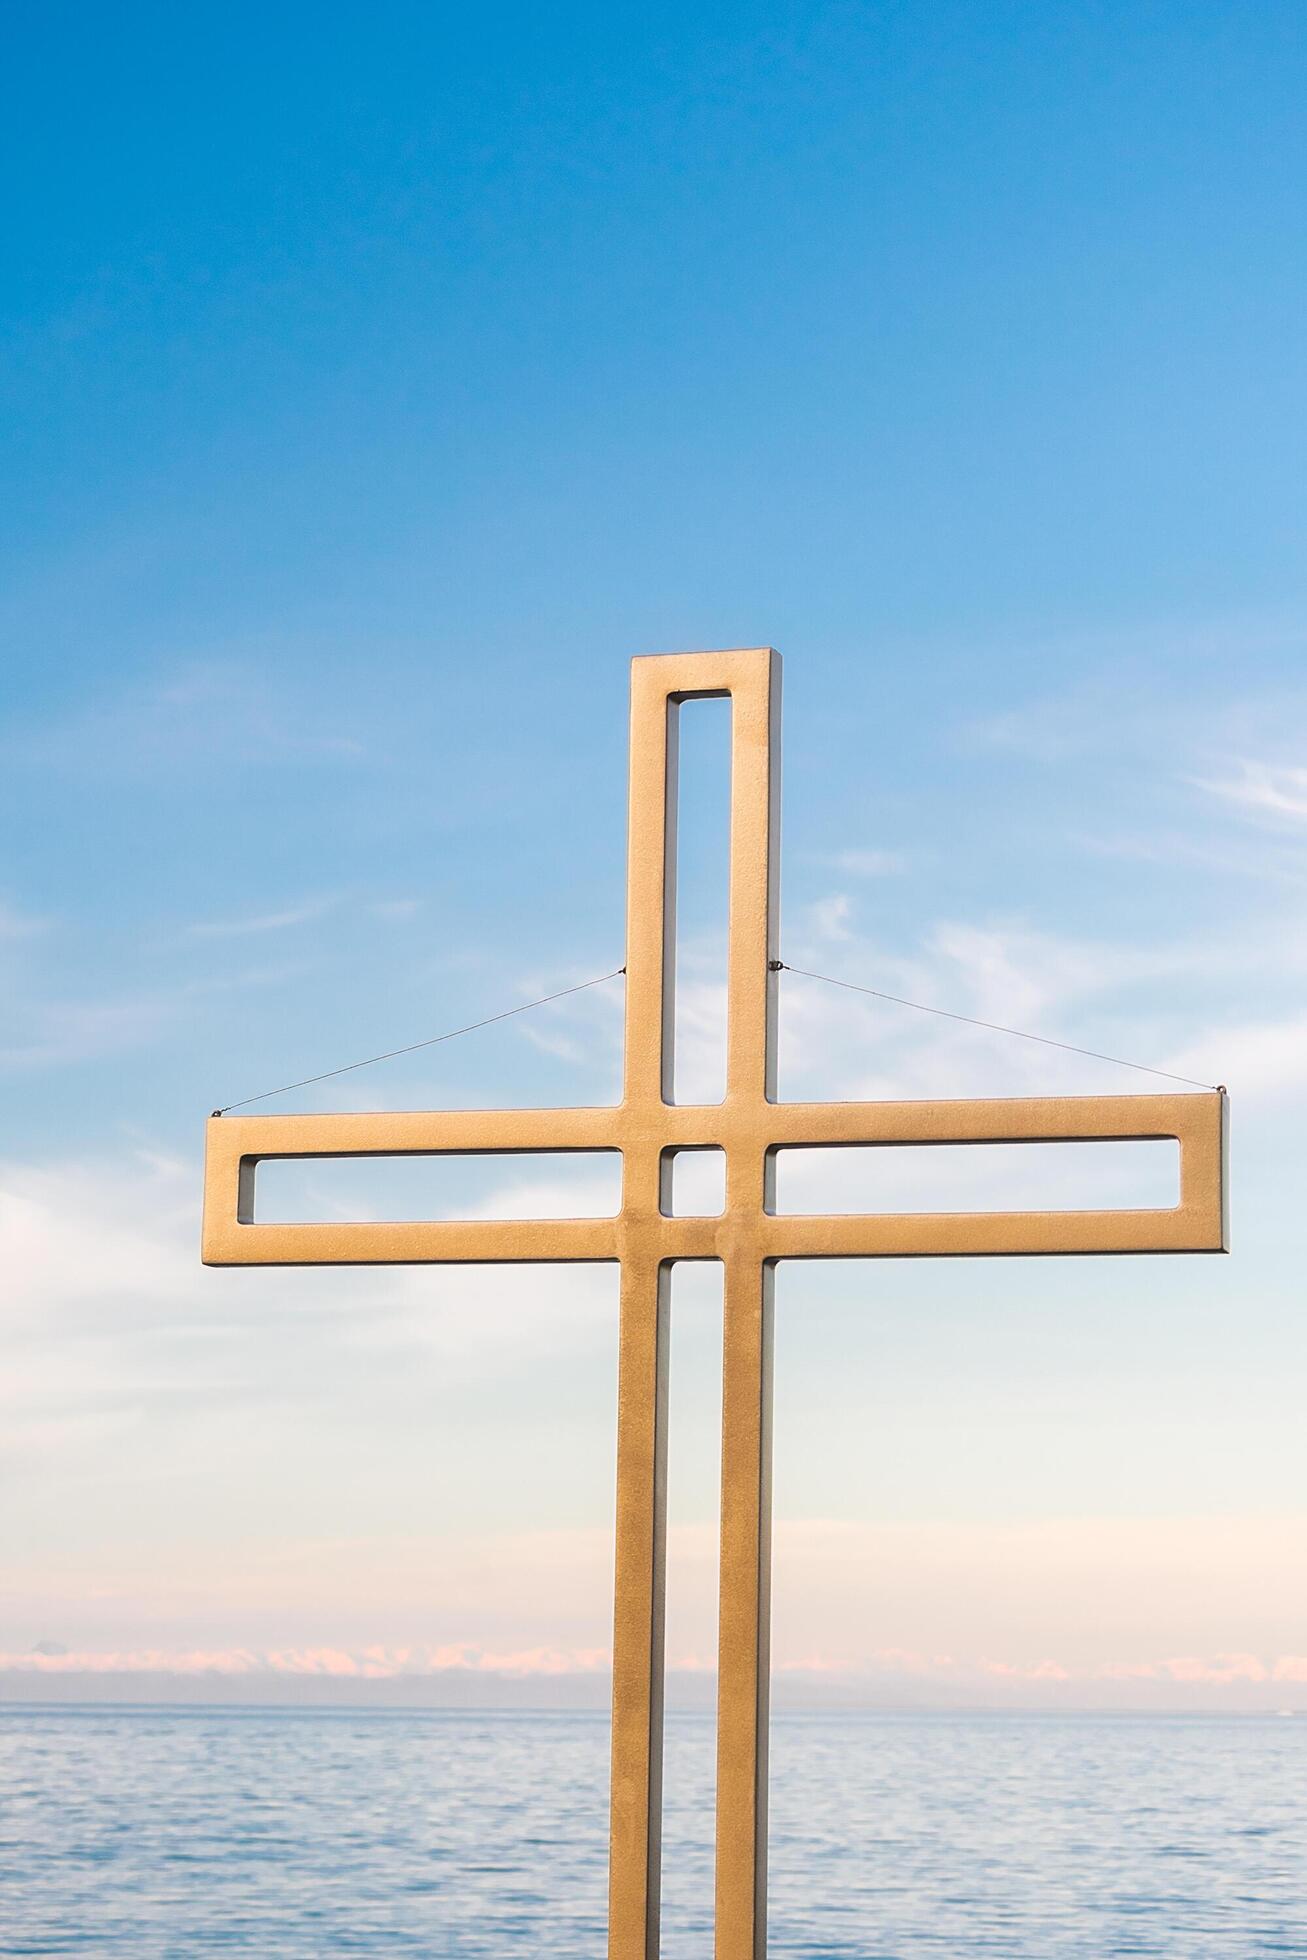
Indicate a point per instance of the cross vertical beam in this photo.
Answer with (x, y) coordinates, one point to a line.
(659, 685)
(744, 1612)
(639, 1591)
(639, 1604)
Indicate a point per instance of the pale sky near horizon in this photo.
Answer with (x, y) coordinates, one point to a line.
(373, 390)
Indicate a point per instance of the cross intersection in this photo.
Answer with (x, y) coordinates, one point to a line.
(749, 1237)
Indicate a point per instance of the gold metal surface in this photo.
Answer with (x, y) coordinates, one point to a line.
(748, 1238)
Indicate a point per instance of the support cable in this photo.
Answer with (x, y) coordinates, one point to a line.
(993, 1027)
(430, 1042)
(776, 966)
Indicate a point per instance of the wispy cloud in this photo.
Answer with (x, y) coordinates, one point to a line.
(581, 1027)
(46, 1033)
(1262, 789)
(1095, 995)
(1122, 702)
(869, 864)
(1056, 729)
(371, 1663)
(201, 713)
(382, 1661)
(1265, 1059)
(15, 924)
(58, 1033)
(1246, 860)
(397, 910)
(294, 915)
(832, 917)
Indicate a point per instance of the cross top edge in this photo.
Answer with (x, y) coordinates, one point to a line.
(660, 683)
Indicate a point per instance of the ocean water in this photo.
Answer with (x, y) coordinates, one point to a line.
(465, 1836)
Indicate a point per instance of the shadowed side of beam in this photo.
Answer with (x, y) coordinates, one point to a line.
(635, 1827)
(744, 1625)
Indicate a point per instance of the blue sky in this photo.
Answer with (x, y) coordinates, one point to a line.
(372, 391)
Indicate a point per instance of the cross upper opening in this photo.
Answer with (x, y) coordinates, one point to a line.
(696, 898)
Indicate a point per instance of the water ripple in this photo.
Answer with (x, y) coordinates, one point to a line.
(173, 1834)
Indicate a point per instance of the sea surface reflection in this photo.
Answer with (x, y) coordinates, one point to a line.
(469, 1836)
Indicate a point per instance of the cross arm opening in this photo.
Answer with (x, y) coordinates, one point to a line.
(235, 1147)
(1197, 1223)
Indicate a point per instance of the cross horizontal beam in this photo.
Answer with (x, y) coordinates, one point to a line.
(237, 1145)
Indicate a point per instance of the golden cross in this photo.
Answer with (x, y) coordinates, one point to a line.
(748, 1238)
